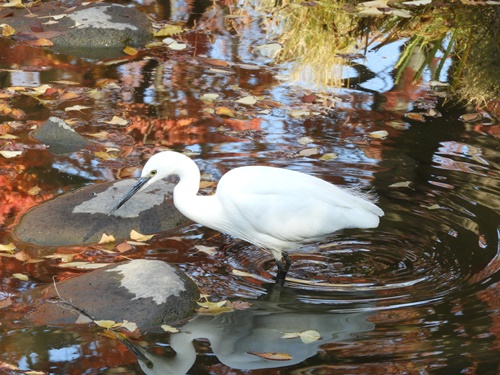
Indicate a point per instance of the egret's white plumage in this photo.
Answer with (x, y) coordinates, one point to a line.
(273, 208)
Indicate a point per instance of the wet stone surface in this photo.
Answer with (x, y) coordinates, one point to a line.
(82, 216)
(59, 136)
(90, 29)
(146, 292)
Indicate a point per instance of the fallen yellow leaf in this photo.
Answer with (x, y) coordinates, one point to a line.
(35, 190)
(130, 51)
(136, 236)
(8, 247)
(107, 239)
(168, 30)
(20, 276)
(10, 154)
(7, 30)
(168, 328)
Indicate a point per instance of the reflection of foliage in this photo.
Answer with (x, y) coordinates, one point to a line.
(469, 35)
(315, 35)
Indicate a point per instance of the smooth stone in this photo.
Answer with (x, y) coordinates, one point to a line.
(93, 30)
(82, 216)
(59, 136)
(145, 292)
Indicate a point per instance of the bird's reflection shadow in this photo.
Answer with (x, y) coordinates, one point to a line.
(260, 329)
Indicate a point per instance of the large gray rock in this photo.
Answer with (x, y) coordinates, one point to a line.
(59, 136)
(146, 292)
(94, 30)
(81, 217)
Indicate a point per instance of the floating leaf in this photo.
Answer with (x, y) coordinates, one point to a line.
(224, 111)
(69, 96)
(106, 239)
(136, 236)
(76, 108)
(124, 247)
(7, 30)
(247, 100)
(305, 140)
(306, 336)
(433, 207)
(299, 113)
(272, 356)
(35, 190)
(214, 308)
(71, 264)
(329, 156)
(379, 134)
(415, 116)
(210, 250)
(405, 184)
(22, 256)
(131, 51)
(10, 154)
(107, 323)
(13, 4)
(20, 276)
(91, 266)
(66, 258)
(209, 97)
(168, 328)
(309, 151)
(470, 117)
(8, 247)
(117, 121)
(309, 336)
(131, 326)
(42, 42)
(174, 45)
(168, 30)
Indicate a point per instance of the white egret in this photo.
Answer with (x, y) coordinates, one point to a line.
(273, 208)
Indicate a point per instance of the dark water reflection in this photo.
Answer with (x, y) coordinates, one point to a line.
(417, 295)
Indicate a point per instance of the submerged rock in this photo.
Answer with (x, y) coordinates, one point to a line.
(82, 216)
(59, 136)
(145, 292)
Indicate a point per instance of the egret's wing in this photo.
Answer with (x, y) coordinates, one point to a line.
(293, 207)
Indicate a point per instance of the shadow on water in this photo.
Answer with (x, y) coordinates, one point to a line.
(418, 295)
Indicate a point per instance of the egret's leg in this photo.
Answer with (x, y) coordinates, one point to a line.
(283, 267)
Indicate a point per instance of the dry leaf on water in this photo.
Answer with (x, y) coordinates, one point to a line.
(214, 308)
(136, 236)
(106, 239)
(307, 337)
(7, 30)
(10, 154)
(124, 246)
(20, 276)
(168, 328)
(272, 356)
(117, 121)
(168, 30)
(22, 256)
(10, 247)
(131, 51)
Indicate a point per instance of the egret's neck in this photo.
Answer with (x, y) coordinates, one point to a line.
(191, 205)
(189, 180)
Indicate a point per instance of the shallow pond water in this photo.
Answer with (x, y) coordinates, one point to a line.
(417, 295)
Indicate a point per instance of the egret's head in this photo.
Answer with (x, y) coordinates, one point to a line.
(157, 168)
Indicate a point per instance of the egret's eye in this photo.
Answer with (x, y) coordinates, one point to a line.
(153, 172)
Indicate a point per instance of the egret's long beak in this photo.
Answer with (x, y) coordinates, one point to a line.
(138, 185)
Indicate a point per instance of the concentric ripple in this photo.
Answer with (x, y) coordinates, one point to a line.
(386, 270)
